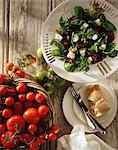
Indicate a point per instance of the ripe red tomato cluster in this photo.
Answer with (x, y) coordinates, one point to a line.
(15, 70)
(24, 116)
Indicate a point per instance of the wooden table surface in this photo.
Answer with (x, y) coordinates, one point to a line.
(20, 28)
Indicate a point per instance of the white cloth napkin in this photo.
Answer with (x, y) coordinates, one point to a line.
(77, 141)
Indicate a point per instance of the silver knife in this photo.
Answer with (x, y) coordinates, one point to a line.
(90, 118)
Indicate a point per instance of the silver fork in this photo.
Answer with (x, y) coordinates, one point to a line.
(103, 67)
(86, 111)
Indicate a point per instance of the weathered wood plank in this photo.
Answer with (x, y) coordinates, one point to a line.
(26, 18)
(3, 33)
(2, 22)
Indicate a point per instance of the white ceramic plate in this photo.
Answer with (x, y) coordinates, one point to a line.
(71, 113)
(108, 117)
(49, 30)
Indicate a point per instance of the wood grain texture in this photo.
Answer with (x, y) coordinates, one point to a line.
(26, 18)
(4, 12)
(20, 28)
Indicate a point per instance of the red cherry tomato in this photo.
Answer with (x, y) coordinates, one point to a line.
(6, 113)
(52, 137)
(15, 68)
(30, 96)
(2, 78)
(28, 104)
(18, 105)
(32, 128)
(9, 66)
(22, 97)
(2, 128)
(11, 91)
(3, 90)
(43, 110)
(41, 139)
(15, 123)
(7, 141)
(26, 138)
(34, 146)
(9, 101)
(20, 73)
(55, 128)
(21, 88)
(31, 115)
(39, 97)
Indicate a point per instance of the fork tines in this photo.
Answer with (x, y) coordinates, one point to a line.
(104, 67)
(74, 93)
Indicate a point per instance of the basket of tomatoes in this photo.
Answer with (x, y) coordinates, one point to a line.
(26, 114)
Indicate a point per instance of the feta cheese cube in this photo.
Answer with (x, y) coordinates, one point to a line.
(82, 52)
(95, 37)
(71, 55)
(98, 22)
(103, 47)
(84, 26)
(90, 59)
(75, 37)
(58, 37)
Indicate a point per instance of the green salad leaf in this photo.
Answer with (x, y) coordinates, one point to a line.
(89, 33)
(109, 26)
(57, 43)
(69, 67)
(110, 48)
(102, 19)
(63, 23)
(78, 11)
(60, 30)
(58, 53)
(77, 23)
(113, 54)
(84, 64)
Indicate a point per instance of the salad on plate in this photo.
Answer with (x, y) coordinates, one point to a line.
(84, 39)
